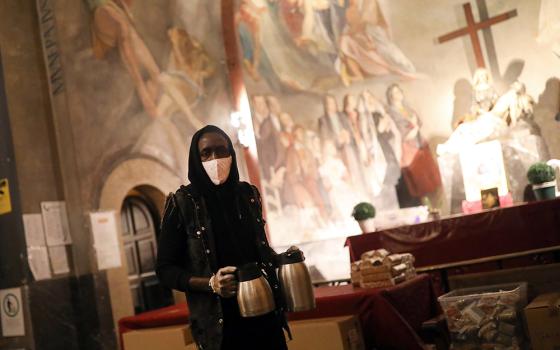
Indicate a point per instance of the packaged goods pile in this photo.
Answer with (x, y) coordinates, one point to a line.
(486, 317)
(379, 268)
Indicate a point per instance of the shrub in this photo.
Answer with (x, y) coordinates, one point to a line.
(540, 173)
(363, 211)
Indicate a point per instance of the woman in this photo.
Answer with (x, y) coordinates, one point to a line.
(208, 229)
(420, 172)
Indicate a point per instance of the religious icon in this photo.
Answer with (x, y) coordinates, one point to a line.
(490, 198)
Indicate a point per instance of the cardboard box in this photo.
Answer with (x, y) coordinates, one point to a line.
(543, 321)
(335, 333)
(168, 338)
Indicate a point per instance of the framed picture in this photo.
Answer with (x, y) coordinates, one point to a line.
(490, 198)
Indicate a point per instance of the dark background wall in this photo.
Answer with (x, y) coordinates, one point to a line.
(68, 311)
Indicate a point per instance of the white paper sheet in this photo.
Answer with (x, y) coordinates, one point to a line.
(11, 310)
(483, 168)
(38, 258)
(55, 221)
(34, 233)
(105, 231)
(59, 260)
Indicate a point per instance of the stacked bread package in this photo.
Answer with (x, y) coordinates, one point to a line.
(378, 268)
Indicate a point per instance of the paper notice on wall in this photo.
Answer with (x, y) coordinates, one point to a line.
(59, 259)
(105, 238)
(34, 233)
(55, 221)
(38, 258)
(11, 309)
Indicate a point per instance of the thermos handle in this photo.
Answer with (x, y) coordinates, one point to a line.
(290, 257)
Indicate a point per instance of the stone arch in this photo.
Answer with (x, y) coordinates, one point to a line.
(155, 181)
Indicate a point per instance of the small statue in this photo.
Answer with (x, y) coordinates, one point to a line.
(484, 97)
(515, 105)
(484, 94)
(512, 111)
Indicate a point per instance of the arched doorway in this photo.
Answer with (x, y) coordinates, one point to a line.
(153, 180)
(140, 228)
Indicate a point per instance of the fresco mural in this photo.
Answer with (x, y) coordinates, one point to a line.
(314, 45)
(350, 99)
(140, 78)
(359, 100)
(340, 143)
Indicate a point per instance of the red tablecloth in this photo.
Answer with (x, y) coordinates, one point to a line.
(383, 326)
(494, 232)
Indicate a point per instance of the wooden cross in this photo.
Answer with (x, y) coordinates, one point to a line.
(472, 29)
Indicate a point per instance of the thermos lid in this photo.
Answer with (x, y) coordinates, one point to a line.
(248, 272)
(293, 257)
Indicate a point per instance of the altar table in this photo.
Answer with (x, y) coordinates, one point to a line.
(383, 326)
(490, 236)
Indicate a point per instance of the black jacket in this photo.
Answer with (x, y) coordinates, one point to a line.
(186, 248)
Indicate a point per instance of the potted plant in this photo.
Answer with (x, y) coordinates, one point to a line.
(364, 214)
(543, 178)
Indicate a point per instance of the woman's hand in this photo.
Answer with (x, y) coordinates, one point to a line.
(293, 249)
(224, 282)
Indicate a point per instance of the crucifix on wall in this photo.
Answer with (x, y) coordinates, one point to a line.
(472, 29)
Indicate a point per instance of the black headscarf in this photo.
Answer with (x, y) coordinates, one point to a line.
(198, 176)
(233, 231)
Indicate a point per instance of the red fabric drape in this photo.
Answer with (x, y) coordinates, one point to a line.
(384, 320)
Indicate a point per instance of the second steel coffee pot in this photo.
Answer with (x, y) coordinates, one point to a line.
(295, 281)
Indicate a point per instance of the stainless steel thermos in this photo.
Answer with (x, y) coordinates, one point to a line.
(254, 295)
(295, 281)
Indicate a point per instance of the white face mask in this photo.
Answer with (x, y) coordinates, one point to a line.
(218, 169)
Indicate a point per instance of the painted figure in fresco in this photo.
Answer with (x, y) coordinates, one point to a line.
(374, 163)
(388, 136)
(420, 171)
(247, 22)
(333, 126)
(183, 81)
(356, 149)
(160, 92)
(314, 24)
(366, 50)
(301, 166)
(112, 27)
(189, 57)
(270, 132)
(294, 191)
(384, 145)
(335, 178)
(260, 112)
(270, 52)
